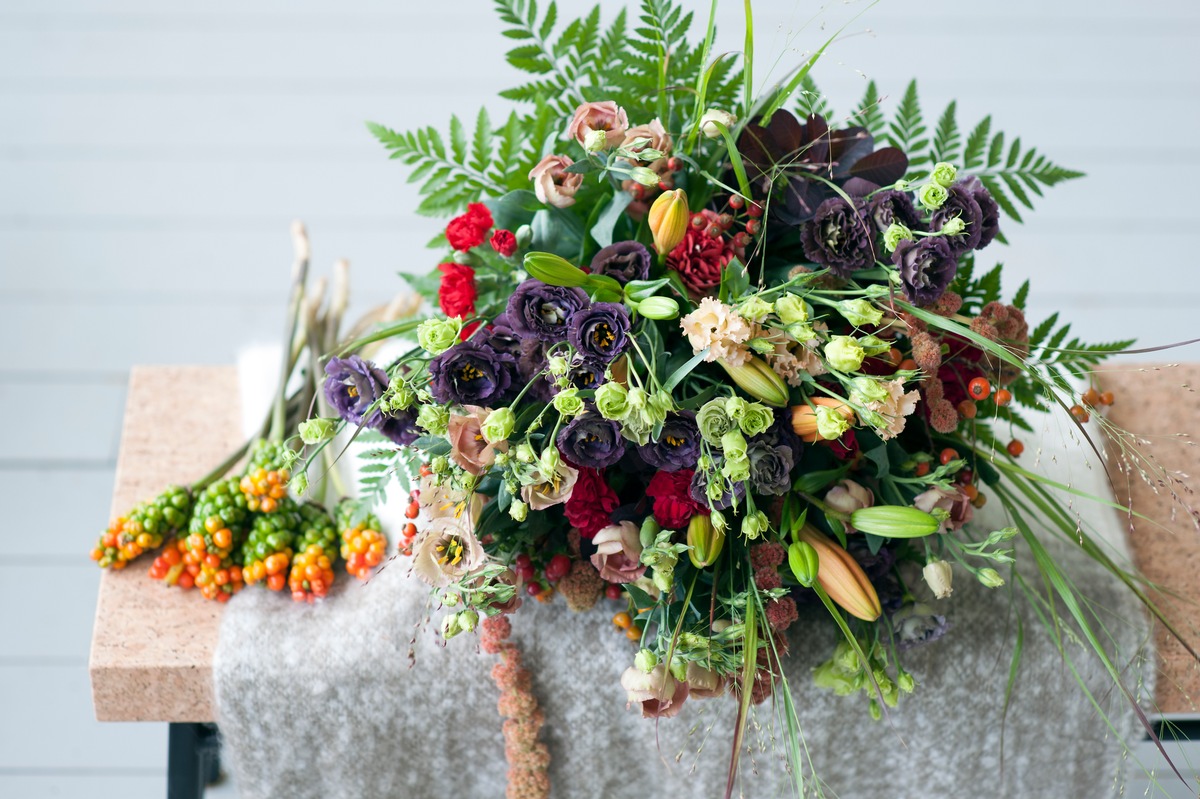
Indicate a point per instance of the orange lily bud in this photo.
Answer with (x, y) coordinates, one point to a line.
(841, 576)
(804, 417)
(668, 219)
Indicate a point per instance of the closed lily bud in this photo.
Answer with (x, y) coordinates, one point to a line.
(804, 417)
(758, 380)
(805, 562)
(841, 576)
(939, 577)
(554, 270)
(658, 308)
(704, 541)
(668, 220)
(895, 521)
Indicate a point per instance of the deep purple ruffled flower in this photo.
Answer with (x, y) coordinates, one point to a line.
(353, 386)
(471, 373)
(926, 268)
(591, 440)
(917, 624)
(990, 226)
(839, 237)
(500, 336)
(959, 203)
(585, 374)
(400, 427)
(678, 445)
(623, 261)
(770, 469)
(781, 434)
(699, 492)
(531, 363)
(600, 332)
(540, 310)
(891, 206)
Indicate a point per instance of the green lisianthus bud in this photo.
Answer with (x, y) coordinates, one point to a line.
(791, 309)
(645, 660)
(713, 120)
(755, 309)
(438, 335)
(440, 464)
(557, 365)
(554, 270)
(733, 443)
(830, 677)
(801, 332)
(299, 483)
(518, 511)
(644, 176)
(713, 421)
(498, 425)
(549, 460)
(400, 397)
(874, 345)
(953, 226)
(755, 418)
(657, 406)
(900, 185)
(735, 407)
(830, 424)
(569, 403)
(434, 418)
(612, 401)
(865, 389)
(860, 312)
(755, 524)
(905, 682)
(932, 196)
(450, 626)
(737, 471)
(761, 345)
(316, 431)
(658, 308)
(718, 521)
(990, 578)
(467, 620)
(524, 453)
(596, 141)
(844, 353)
(663, 580)
(943, 174)
(895, 234)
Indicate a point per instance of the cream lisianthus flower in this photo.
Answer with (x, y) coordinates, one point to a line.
(448, 551)
(896, 408)
(718, 327)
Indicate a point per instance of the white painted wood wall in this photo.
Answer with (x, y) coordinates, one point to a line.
(152, 153)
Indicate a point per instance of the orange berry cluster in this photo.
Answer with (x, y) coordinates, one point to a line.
(264, 489)
(312, 574)
(143, 528)
(625, 623)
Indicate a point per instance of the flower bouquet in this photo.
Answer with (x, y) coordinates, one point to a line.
(709, 359)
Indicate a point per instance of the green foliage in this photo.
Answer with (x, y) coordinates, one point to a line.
(869, 113)
(810, 100)
(907, 130)
(450, 178)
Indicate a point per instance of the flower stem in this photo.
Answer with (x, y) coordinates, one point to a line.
(299, 274)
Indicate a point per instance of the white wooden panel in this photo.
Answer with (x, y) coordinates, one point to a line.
(56, 516)
(57, 606)
(63, 422)
(88, 785)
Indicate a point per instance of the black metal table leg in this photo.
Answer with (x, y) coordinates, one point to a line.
(193, 759)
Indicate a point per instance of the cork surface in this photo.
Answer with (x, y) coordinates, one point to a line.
(1157, 403)
(152, 646)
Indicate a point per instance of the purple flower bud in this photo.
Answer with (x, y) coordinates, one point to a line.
(591, 441)
(400, 427)
(471, 374)
(927, 268)
(600, 332)
(623, 261)
(678, 445)
(541, 310)
(353, 386)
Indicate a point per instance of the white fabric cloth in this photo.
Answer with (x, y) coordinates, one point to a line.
(357, 697)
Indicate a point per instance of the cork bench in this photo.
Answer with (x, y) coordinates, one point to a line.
(152, 647)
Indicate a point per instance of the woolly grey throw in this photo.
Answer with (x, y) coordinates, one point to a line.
(357, 697)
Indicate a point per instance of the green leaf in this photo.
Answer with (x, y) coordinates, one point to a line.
(869, 114)
(946, 140)
(908, 128)
(602, 230)
(683, 371)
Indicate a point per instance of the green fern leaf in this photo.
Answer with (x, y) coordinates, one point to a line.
(908, 128)
(946, 140)
(869, 114)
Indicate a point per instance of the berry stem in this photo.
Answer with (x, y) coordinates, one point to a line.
(299, 274)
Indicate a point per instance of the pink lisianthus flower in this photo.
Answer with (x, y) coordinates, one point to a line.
(553, 184)
(618, 553)
(468, 448)
(604, 116)
(954, 502)
(659, 694)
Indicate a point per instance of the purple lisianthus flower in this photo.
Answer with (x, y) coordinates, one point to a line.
(592, 441)
(352, 386)
(839, 237)
(926, 268)
(540, 310)
(585, 374)
(600, 332)
(960, 203)
(500, 336)
(400, 427)
(678, 445)
(781, 434)
(917, 624)
(770, 469)
(892, 207)
(623, 261)
(728, 498)
(531, 363)
(990, 224)
(471, 373)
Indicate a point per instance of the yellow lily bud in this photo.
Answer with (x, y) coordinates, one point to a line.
(804, 417)
(758, 380)
(894, 521)
(841, 576)
(704, 541)
(554, 270)
(668, 220)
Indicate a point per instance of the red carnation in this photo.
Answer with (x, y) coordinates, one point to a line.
(470, 229)
(590, 503)
(504, 242)
(456, 293)
(468, 330)
(673, 503)
(700, 258)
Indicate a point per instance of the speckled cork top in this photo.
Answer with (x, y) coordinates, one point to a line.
(152, 647)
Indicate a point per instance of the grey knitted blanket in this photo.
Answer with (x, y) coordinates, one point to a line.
(357, 697)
